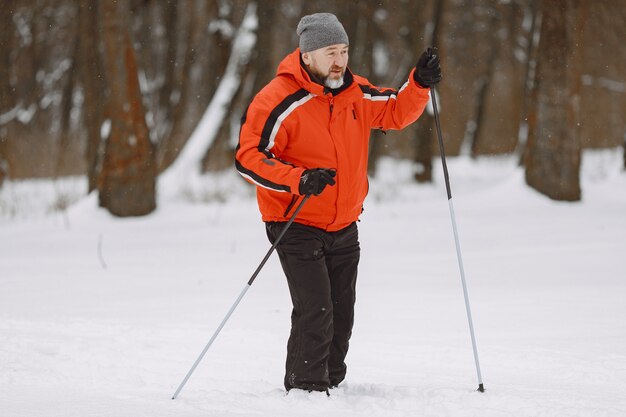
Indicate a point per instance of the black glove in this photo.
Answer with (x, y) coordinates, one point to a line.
(427, 70)
(313, 181)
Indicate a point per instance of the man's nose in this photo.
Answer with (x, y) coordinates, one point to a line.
(339, 62)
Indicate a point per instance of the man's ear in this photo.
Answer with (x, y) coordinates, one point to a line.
(306, 58)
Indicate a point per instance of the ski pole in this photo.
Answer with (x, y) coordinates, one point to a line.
(241, 295)
(481, 387)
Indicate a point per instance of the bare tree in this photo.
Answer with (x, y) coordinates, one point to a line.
(27, 55)
(127, 179)
(530, 9)
(159, 37)
(604, 81)
(554, 150)
(264, 69)
(255, 73)
(206, 37)
(52, 80)
(90, 70)
(6, 98)
(64, 147)
(423, 138)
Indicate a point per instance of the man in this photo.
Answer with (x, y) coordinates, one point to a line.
(307, 133)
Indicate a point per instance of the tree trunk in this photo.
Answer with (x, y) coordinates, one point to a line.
(89, 68)
(554, 150)
(63, 164)
(6, 99)
(484, 84)
(532, 9)
(203, 63)
(127, 181)
(264, 69)
(603, 123)
(254, 76)
(423, 142)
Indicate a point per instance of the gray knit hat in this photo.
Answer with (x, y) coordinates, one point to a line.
(320, 30)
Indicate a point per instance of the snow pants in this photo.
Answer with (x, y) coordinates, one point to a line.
(321, 271)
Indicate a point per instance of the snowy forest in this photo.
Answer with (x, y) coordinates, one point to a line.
(126, 233)
(114, 90)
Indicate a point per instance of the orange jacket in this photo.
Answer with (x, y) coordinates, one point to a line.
(294, 124)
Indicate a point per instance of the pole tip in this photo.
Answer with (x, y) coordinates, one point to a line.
(481, 388)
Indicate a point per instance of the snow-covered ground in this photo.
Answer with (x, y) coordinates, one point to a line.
(103, 317)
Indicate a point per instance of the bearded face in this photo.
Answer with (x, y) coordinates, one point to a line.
(328, 64)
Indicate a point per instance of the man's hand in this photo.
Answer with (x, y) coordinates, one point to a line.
(427, 70)
(313, 181)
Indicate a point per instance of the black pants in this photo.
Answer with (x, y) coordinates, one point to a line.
(321, 270)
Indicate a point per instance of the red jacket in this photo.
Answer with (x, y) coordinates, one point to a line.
(294, 124)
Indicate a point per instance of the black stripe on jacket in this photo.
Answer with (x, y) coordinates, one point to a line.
(275, 114)
(260, 180)
(265, 140)
(377, 93)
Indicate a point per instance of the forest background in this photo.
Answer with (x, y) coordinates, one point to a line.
(113, 90)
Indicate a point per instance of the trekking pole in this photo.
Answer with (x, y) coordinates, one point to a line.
(481, 387)
(243, 292)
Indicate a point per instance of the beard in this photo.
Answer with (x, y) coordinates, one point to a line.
(326, 80)
(333, 83)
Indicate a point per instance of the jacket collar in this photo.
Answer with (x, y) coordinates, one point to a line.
(293, 66)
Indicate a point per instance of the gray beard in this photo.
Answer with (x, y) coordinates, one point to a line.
(333, 84)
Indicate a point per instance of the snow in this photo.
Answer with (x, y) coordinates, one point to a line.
(607, 83)
(101, 316)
